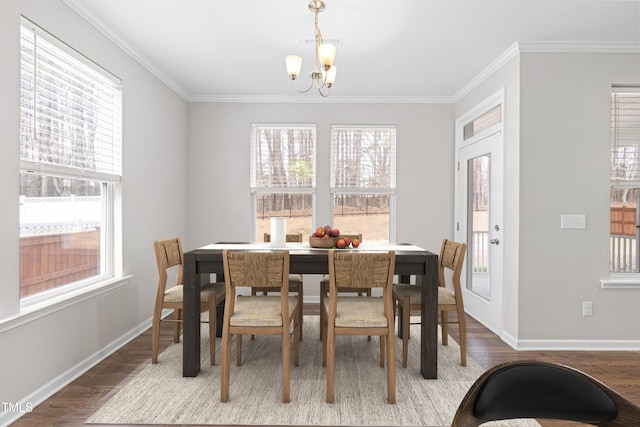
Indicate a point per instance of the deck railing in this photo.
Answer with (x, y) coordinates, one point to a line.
(624, 254)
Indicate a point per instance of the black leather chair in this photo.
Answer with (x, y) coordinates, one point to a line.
(543, 390)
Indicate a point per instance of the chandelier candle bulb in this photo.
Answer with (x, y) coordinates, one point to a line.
(331, 76)
(294, 65)
(326, 54)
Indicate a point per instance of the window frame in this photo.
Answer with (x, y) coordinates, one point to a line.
(256, 189)
(390, 191)
(618, 279)
(108, 177)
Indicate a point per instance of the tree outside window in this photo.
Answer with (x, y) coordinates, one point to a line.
(283, 177)
(363, 180)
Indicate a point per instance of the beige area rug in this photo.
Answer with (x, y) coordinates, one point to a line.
(160, 395)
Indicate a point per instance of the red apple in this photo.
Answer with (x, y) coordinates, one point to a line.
(326, 236)
(340, 244)
(335, 232)
(320, 232)
(355, 243)
(327, 230)
(347, 241)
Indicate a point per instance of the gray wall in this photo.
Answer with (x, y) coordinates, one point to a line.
(564, 169)
(219, 144)
(43, 352)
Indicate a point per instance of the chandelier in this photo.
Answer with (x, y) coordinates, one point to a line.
(324, 73)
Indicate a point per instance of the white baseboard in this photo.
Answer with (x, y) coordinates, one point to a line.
(49, 389)
(579, 345)
(570, 344)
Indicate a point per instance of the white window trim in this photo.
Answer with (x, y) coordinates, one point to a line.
(621, 281)
(254, 191)
(111, 274)
(34, 311)
(390, 191)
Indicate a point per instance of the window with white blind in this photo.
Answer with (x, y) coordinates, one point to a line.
(363, 180)
(70, 165)
(283, 177)
(625, 180)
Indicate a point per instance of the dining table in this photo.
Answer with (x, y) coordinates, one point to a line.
(411, 261)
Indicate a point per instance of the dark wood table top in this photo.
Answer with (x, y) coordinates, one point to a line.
(411, 260)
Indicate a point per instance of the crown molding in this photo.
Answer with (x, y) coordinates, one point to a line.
(579, 47)
(497, 63)
(545, 47)
(293, 99)
(136, 55)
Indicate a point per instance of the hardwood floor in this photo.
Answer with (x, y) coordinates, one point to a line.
(72, 405)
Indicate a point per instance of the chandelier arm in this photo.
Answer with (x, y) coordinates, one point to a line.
(322, 94)
(293, 83)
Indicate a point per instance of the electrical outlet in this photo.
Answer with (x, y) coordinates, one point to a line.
(587, 308)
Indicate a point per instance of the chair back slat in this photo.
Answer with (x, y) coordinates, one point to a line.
(168, 254)
(297, 237)
(361, 270)
(452, 257)
(450, 254)
(256, 269)
(171, 253)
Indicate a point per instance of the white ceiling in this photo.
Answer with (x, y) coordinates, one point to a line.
(412, 50)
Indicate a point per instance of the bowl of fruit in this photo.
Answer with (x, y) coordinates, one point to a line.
(327, 237)
(324, 237)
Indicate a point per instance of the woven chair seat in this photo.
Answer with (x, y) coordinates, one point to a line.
(359, 312)
(260, 311)
(176, 293)
(401, 290)
(295, 278)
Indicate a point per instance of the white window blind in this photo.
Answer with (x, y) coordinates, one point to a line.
(70, 110)
(363, 158)
(283, 158)
(625, 137)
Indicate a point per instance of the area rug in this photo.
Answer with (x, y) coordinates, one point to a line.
(160, 395)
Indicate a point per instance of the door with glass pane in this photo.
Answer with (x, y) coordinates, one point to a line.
(479, 189)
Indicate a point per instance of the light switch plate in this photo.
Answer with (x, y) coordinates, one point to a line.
(573, 221)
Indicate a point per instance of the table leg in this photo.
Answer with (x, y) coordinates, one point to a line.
(191, 318)
(403, 279)
(429, 326)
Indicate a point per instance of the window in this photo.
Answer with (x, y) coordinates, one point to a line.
(625, 180)
(283, 177)
(70, 165)
(363, 180)
(482, 122)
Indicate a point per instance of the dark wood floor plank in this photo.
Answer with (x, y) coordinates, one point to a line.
(72, 405)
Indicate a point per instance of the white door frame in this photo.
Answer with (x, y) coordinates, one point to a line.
(488, 312)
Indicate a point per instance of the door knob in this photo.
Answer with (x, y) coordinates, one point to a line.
(494, 241)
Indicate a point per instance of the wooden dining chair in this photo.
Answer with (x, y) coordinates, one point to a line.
(169, 255)
(408, 298)
(324, 283)
(531, 389)
(295, 280)
(258, 314)
(359, 314)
